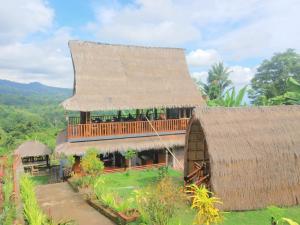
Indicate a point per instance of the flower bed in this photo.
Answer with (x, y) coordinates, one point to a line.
(120, 217)
(119, 196)
(117, 217)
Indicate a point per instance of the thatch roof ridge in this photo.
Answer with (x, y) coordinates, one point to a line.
(254, 154)
(117, 77)
(122, 45)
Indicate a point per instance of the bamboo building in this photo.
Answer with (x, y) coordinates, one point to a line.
(252, 154)
(124, 97)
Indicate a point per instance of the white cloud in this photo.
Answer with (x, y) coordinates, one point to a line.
(47, 61)
(275, 28)
(27, 58)
(164, 22)
(18, 18)
(237, 29)
(240, 76)
(201, 57)
(202, 76)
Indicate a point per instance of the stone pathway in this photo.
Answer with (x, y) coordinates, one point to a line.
(61, 203)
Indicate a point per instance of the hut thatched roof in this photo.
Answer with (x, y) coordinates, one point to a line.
(32, 148)
(254, 154)
(121, 145)
(112, 77)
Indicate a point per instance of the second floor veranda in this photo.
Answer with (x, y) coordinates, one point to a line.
(125, 125)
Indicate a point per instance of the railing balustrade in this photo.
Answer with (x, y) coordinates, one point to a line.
(75, 120)
(125, 128)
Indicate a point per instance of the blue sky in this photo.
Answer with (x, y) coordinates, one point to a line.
(34, 33)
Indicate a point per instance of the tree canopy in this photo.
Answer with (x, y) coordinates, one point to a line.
(271, 77)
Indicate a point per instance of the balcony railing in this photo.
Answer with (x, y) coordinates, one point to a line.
(126, 128)
(75, 120)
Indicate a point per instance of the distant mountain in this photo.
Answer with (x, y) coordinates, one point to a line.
(21, 94)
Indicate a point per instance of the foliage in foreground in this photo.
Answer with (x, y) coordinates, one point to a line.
(32, 212)
(205, 204)
(158, 204)
(8, 214)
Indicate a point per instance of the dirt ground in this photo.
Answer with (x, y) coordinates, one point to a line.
(61, 203)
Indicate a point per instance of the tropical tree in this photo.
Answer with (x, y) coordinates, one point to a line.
(290, 97)
(91, 164)
(230, 98)
(271, 76)
(217, 81)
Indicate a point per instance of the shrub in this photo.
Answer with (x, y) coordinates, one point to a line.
(129, 155)
(91, 164)
(109, 198)
(32, 212)
(157, 204)
(204, 203)
(163, 172)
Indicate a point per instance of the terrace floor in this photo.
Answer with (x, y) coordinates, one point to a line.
(61, 203)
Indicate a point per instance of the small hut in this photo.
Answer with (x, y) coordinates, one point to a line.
(34, 156)
(253, 154)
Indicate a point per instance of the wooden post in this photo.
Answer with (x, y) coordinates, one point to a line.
(47, 159)
(67, 117)
(167, 157)
(119, 115)
(114, 159)
(85, 117)
(88, 117)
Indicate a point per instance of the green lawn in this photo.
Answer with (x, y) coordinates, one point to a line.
(39, 180)
(125, 183)
(261, 217)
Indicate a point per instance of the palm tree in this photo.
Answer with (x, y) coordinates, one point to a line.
(217, 80)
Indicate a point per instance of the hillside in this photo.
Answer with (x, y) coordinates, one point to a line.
(30, 112)
(26, 95)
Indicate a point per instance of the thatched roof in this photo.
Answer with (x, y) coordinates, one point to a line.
(254, 154)
(121, 145)
(111, 77)
(32, 148)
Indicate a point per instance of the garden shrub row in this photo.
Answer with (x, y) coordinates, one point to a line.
(8, 214)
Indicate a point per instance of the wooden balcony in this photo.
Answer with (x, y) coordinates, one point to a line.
(112, 130)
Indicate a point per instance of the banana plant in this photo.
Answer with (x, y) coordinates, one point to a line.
(291, 97)
(230, 98)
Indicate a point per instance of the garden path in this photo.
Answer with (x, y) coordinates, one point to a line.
(61, 203)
